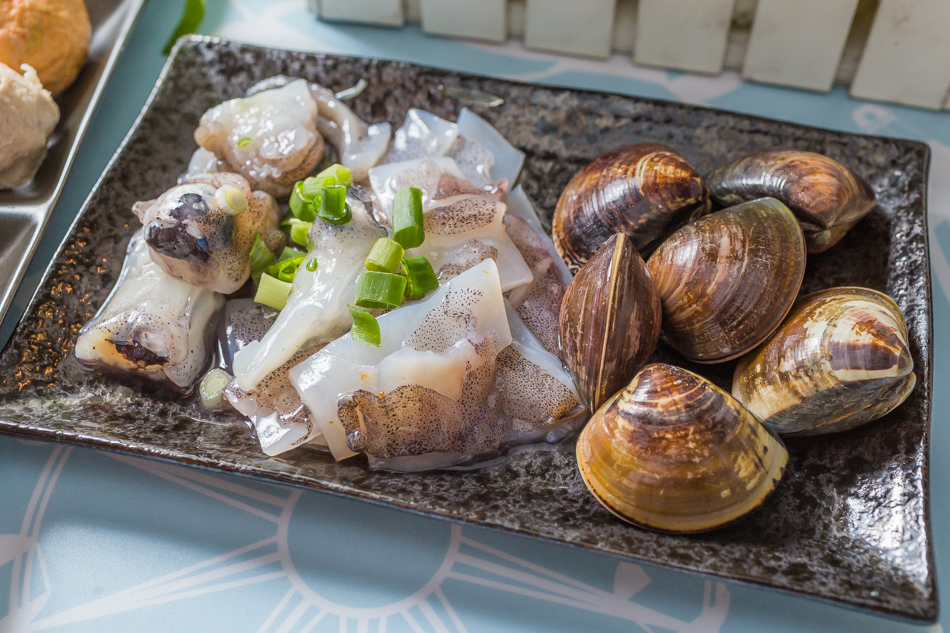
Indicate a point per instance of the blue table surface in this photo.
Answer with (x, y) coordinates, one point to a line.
(91, 541)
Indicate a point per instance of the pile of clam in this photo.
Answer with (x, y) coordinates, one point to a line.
(667, 449)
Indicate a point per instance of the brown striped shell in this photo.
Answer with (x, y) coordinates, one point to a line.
(673, 452)
(727, 280)
(839, 360)
(826, 196)
(609, 322)
(645, 190)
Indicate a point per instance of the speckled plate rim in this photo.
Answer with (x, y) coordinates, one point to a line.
(928, 615)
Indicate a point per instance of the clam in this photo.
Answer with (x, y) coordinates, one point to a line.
(645, 190)
(826, 196)
(609, 321)
(727, 280)
(673, 452)
(839, 360)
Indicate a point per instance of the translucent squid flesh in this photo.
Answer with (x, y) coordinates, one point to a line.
(316, 309)
(152, 324)
(270, 137)
(193, 237)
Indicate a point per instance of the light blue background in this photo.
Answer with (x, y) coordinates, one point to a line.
(118, 543)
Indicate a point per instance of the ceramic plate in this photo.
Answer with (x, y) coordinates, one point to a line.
(849, 524)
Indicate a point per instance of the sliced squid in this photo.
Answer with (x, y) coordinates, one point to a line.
(270, 137)
(360, 146)
(457, 379)
(274, 408)
(316, 308)
(483, 156)
(421, 399)
(463, 225)
(152, 324)
(537, 394)
(538, 303)
(194, 234)
(202, 162)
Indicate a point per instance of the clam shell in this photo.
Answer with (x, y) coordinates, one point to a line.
(826, 196)
(839, 360)
(645, 190)
(727, 280)
(609, 322)
(673, 452)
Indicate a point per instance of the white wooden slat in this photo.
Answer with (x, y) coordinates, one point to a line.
(413, 11)
(625, 26)
(907, 56)
(387, 12)
(798, 43)
(683, 34)
(482, 20)
(580, 27)
(516, 12)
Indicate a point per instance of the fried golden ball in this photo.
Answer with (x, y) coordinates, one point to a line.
(52, 36)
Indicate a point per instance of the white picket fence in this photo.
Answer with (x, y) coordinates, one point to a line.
(886, 50)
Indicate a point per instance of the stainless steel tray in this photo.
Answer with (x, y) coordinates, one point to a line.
(25, 211)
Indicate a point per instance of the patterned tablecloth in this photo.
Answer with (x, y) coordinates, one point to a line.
(91, 541)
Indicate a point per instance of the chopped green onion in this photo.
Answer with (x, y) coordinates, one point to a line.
(407, 218)
(300, 204)
(385, 256)
(272, 292)
(312, 265)
(380, 290)
(420, 277)
(285, 270)
(289, 253)
(340, 174)
(244, 142)
(299, 231)
(212, 387)
(311, 188)
(190, 20)
(333, 208)
(365, 328)
(230, 199)
(260, 257)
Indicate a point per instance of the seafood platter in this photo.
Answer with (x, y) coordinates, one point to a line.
(666, 333)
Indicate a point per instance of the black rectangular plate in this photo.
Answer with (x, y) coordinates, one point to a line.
(850, 522)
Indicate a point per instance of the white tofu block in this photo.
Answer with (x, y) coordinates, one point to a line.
(683, 34)
(798, 43)
(907, 56)
(482, 20)
(387, 12)
(580, 27)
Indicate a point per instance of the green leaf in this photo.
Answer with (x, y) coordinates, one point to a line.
(190, 20)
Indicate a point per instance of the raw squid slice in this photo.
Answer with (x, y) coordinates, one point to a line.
(507, 160)
(316, 308)
(192, 237)
(484, 157)
(270, 138)
(463, 224)
(429, 175)
(360, 146)
(421, 399)
(202, 162)
(537, 394)
(422, 135)
(152, 324)
(274, 410)
(539, 303)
